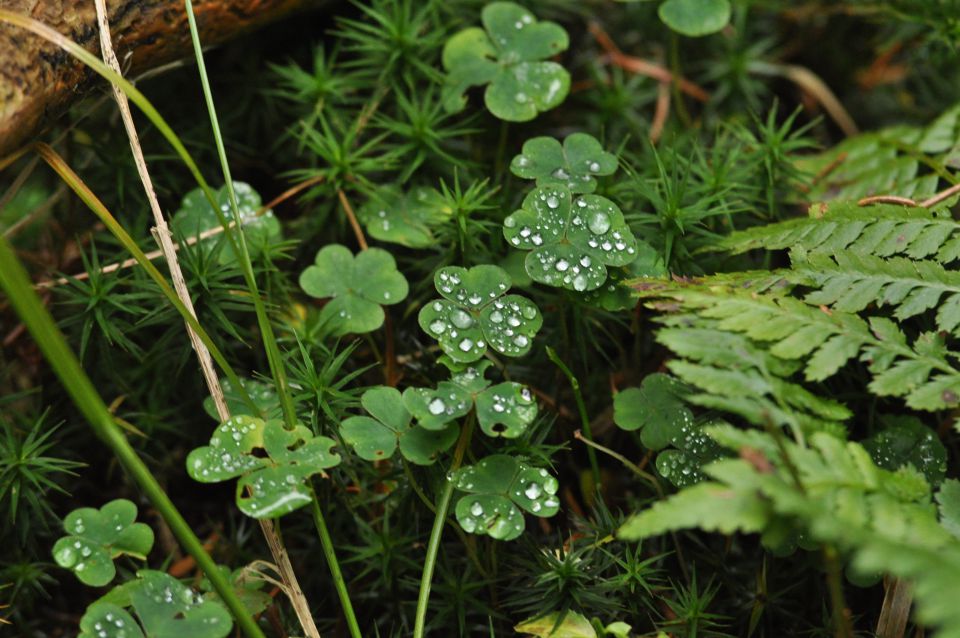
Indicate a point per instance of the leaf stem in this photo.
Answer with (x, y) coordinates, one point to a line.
(16, 284)
(433, 546)
(582, 409)
(326, 542)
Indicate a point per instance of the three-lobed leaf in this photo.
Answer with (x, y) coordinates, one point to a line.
(575, 164)
(408, 219)
(272, 462)
(499, 489)
(656, 408)
(357, 285)
(695, 18)
(475, 313)
(509, 56)
(571, 240)
(96, 537)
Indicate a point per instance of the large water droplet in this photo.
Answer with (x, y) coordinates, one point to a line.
(466, 345)
(553, 202)
(476, 509)
(437, 327)
(533, 491)
(496, 316)
(461, 319)
(437, 406)
(579, 283)
(562, 265)
(599, 223)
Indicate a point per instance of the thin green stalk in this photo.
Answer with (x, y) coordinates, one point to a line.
(630, 465)
(274, 359)
(17, 286)
(87, 196)
(433, 546)
(326, 542)
(582, 409)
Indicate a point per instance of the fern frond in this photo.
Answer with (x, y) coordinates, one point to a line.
(849, 282)
(881, 230)
(925, 373)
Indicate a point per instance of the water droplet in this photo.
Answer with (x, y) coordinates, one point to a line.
(466, 345)
(562, 265)
(560, 174)
(461, 319)
(438, 327)
(509, 222)
(521, 98)
(475, 299)
(521, 341)
(496, 316)
(594, 167)
(599, 223)
(585, 261)
(437, 406)
(553, 202)
(476, 509)
(536, 239)
(523, 161)
(533, 491)
(579, 283)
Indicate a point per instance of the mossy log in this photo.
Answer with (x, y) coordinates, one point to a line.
(38, 81)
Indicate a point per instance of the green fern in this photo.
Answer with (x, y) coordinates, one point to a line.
(881, 230)
(850, 282)
(926, 374)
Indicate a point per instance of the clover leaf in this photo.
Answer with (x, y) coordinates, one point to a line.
(474, 314)
(196, 216)
(617, 293)
(377, 437)
(692, 449)
(656, 408)
(273, 463)
(906, 440)
(505, 410)
(358, 285)
(407, 219)
(573, 165)
(96, 537)
(572, 241)
(695, 18)
(165, 607)
(245, 584)
(496, 487)
(509, 56)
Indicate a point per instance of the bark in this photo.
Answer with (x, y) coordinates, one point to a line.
(38, 82)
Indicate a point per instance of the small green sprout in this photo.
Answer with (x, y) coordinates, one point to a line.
(359, 285)
(695, 18)
(407, 219)
(509, 57)
(97, 537)
(571, 241)
(196, 216)
(496, 487)
(574, 165)
(504, 410)
(271, 484)
(165, 607)
(656, 408)
(389, 426)
(474, 314)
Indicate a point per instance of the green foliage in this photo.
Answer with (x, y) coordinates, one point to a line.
(498, 488)
(656, 408)
(574, 165)
(97, 537)
(695, 17)
(195, 217)
(358, 286)
(408, 219)
(274, 464)
(165, 607)
(377, 437)
(476, 312)
(508, 55)
(571, 241)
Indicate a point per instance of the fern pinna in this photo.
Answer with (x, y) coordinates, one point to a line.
(871, 299)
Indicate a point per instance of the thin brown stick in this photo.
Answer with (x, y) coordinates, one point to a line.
(348, 209)
(661, 113)
(163, 235)
(942, 195)
(886, 199)
(644, 67)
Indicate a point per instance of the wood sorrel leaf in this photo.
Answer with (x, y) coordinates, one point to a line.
(508, 55)
(96, 537)
(474, 314)
(695, 18)
(655, 408)
(359, 285)
(402, 218)
(573, 165)
(571, 240)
